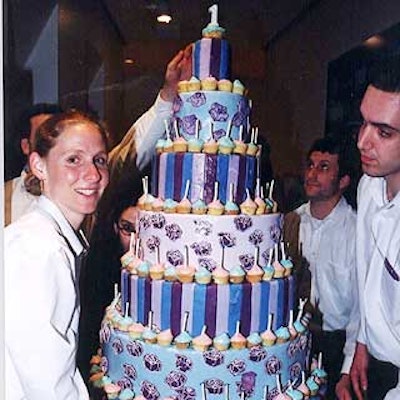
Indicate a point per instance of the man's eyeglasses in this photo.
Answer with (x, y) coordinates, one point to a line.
(126, 227)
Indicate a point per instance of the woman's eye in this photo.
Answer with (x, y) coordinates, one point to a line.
(385, 134)
(73, 160)
(101, 161)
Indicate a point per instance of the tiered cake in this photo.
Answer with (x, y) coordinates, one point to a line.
(207, 292)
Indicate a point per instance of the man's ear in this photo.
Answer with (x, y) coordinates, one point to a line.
(25, 146)
(344, 182)
(37, 166)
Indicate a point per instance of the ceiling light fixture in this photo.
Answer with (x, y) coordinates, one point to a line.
(129, 61)
(164, 18)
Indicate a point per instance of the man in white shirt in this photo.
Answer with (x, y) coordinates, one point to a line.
(376, 362)
(137, 146)
(326, 239)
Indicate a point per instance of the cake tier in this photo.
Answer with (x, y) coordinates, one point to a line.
(219, 307)
(206, 236)
(211, 57)
(171, 171)
(218, 107)
(158, 372)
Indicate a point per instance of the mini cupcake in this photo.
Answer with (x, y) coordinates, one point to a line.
(158, 204)
(282, 335)
(195, 145)
(185, 273)
(202, 276)
(148, 203)
(225, 145)
(238, 341)
(149, 335)
(136, 330)
(170, 274)
(268, 338)
(156, 271)
(143, 269)
(248, 207)
(111, 390)
(210, 146)
(160, 146)
(268, 272)
(96, 379)
(251, 149)
(312, 385)
(238, 87)
(128, 259)
(220, 275)
(168, 145)
(294, 394)
(164, 338)
(231, 208)
(254, 274)
(225, 85)
(180, 145)
(253, 339)
(184, 206)
(213, 31)
(236, 274)
(126, 394)
(303, 388)
(183, 340)
(170, 206)
(209, 83)
(194, 84)
(202, 342)
(199, 207)
(215, 208)
(183, 86)
(240, 146)
(222, 342)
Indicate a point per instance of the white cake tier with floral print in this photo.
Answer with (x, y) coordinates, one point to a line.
(207, 237)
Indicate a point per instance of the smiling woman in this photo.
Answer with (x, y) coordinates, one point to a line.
(69, 158)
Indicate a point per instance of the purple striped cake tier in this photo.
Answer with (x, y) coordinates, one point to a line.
(218, 107)
(219, 307)
(211, 57)
(205, 236)
(170, 171)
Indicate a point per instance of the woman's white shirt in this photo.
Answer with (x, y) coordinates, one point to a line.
(42, 257)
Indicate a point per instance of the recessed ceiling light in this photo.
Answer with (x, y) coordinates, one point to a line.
(164, 18)
(129, 61)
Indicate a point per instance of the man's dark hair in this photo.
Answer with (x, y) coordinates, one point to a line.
(385, 73)
(336, 146)
(36, 109)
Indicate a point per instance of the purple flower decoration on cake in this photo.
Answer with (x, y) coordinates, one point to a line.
(247, 383)
(134, 348)
(236, 367)
(202, 248)
(129, 371)
(152, 362)
(293, 348)
(104, 364)
(203, 227)
(117, 346)
(144, 221)
(226, 239)
(272, 393)
(243, 222)
(265, 256)
(197, 99)
(273, 365)
(125, 383)
(238, 119)
(173, 231)
(246, 261)
(243, 107)
(158, 221)
(175, 257)
(214, 386)
(218, 134)
(189, 124)
(183, 363)
(213, 357)
(257, 353)
(208, 263)
(187, 393)
(149, 391)
(152, 243)
(256, 237)
(275, 233)
(303, 342)
(105, 333)
(177, 104)
(295, 371)
(175, 379)
(218, 112)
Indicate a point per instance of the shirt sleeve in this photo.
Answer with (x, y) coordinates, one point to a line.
(354, 318)
(141, 138)
(40, 307)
